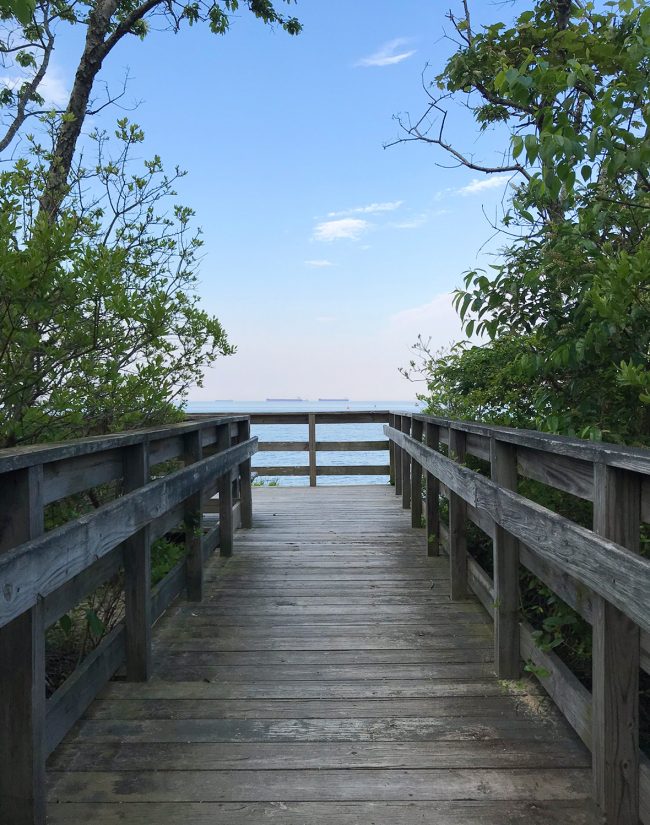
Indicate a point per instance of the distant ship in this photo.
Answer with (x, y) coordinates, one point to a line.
(333, 399)
(285, 399)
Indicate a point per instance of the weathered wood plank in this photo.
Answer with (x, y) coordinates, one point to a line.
(493, 812)
(416, 480)
(17, 458)
(22, 664)
(614, 572)
(36, 568)
(311, 425)
(137, 575)
(333, 785)
(346, 669)
(245, 489)
(457, 527)
(503, 459)
(323, 755)
(432, 440)
(324, 470)
(615, 667)
(226, 526)
(69, 702)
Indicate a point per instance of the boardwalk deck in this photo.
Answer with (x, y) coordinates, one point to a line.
(325, 679)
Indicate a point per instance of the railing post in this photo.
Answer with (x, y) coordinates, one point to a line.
(137, 574)
(225, 496)
(416, 478)
(391, 451)
(192, 452)
(312, 449)
(503, 459)
(22, 670)
(615, 659)
(433, 496)
(245, 489)
(406, 465)
(457, 523)
(397, 450)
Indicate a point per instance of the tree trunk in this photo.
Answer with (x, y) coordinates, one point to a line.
(66, 142)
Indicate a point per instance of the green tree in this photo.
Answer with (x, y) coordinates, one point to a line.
(567, 86)
(100, 329)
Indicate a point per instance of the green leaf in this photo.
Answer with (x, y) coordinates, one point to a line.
(95, 623)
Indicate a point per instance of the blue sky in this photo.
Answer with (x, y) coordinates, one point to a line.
(325, 254)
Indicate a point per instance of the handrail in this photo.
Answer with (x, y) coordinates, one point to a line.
(45, 574)
(313, 446)
(598, 572)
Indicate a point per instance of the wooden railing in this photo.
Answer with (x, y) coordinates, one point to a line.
(313, 445)
(598, 572)
(45, 574)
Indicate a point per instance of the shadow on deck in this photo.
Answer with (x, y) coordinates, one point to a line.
(326, 678)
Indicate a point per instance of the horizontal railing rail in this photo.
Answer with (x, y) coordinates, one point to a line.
(314, 446)
(45, 574)
(598, 572)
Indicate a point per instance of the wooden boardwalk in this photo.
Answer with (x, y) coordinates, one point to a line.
(326, 679)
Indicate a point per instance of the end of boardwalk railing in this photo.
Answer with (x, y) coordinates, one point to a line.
(45, 574)
(598, 572)
(313, 446)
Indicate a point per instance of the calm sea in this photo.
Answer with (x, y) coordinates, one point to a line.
(324, 432)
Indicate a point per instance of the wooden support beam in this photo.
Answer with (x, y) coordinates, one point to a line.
(398, 458)
(22, 666)
(505, 549)
(433, 496)
(225, 498)
(457, 523)
(417, 431)
(312, 449)
(405, 425)
(192, 452)
(391, 451)
(615, 660)
(137, 574)
(245, 489)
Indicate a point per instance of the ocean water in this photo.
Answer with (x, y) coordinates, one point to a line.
(324, 432)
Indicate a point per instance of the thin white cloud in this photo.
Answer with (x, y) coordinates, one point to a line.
(53, 88)
(412, 223)
(389, 54)
(371, 209)
(319, 264)
(481, 184)
(343, 228)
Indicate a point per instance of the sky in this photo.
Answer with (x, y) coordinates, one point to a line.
(326, 254)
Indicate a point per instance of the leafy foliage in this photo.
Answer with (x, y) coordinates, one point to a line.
(99, 325)
(567, 86)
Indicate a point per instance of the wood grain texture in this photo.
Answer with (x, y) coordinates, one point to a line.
(457, 523)
(137, 574)
(604, 566)
(432, 440)
(503, 459)
(325, 678)
(416, 479)
(17, 458)
(405, 425)
(38, 567)
(22, 665)
(397, 451)
(615, 664)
